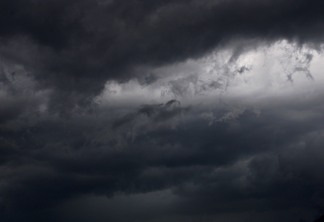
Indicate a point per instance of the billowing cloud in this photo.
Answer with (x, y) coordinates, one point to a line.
(161, 111)
(76, 45)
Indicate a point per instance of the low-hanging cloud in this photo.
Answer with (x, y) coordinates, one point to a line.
(77, 45)
(168, 110)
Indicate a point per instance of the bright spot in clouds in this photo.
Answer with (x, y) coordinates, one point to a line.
(277, 70)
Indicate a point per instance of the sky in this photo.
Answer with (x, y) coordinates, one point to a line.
(161, 111)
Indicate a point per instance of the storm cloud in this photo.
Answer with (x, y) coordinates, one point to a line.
(161, 110)
(77, 45)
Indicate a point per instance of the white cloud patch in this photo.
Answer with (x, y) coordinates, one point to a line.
(280, 70)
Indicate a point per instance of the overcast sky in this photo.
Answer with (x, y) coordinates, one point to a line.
(161, 110)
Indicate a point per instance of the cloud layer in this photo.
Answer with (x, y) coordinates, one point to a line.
(161, 110)
(77, 45)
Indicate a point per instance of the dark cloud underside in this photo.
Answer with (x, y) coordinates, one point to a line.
(65, 155)
(81, 43)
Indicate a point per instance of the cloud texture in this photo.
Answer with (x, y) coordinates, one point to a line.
(161, 110)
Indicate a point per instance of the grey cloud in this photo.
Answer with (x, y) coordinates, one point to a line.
(259, 163)
(77, 45)
(59, 147)
(157, 112)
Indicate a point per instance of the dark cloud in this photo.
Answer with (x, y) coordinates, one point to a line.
(78, 44)
(157, 112)
(66, 157)
(247, 163)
